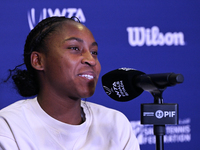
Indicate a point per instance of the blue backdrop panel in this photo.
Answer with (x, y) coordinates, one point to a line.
(151, 36)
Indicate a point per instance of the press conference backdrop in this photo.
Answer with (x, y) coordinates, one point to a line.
(150, 36)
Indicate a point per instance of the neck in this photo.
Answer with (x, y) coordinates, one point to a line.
(63, 109)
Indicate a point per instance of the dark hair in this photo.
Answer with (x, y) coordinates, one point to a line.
(26, 80)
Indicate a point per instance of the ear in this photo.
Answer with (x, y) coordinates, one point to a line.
(37, 60)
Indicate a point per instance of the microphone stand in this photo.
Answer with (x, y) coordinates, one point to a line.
(159, 130)
(159, 114)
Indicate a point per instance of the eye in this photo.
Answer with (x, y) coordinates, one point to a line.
(94, 53)
(74, 48)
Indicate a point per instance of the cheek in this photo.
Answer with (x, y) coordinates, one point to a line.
(54, 66)
(98, 68)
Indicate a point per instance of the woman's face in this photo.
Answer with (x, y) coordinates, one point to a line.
(71, 66)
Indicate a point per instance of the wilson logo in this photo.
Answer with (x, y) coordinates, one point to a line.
(67, 12)
(140, 36)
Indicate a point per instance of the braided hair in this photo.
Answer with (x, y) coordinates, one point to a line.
(26, 81)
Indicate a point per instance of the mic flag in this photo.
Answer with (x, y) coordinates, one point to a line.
(118, 84)
(125, 84)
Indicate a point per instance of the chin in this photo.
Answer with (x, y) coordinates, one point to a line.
(88, 94)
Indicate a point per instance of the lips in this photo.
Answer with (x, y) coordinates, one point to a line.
(87, 75)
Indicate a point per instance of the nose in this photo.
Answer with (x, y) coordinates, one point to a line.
(88, 58)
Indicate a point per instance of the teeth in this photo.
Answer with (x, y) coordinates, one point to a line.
(87, 76)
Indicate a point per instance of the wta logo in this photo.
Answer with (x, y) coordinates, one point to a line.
(140, 36)
(33, 20)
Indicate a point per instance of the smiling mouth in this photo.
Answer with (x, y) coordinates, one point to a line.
(87, 76)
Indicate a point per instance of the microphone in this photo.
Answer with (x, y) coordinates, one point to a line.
(125, 84)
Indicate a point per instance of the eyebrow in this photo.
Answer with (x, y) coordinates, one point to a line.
(80, 40)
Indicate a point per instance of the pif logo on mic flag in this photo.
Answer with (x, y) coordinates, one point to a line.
(159, 114)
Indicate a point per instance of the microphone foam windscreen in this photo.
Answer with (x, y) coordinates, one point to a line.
(118, 84)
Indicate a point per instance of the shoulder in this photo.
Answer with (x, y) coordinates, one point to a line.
(11, 118)
(15, 109)
(104, 113)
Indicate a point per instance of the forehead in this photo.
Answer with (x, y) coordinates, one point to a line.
(72, 28)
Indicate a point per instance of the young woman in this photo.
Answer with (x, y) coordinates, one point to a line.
(60, 55)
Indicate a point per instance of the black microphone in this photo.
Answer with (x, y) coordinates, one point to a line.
(125, 84)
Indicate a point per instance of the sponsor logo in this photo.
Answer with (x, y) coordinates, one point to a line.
(119, 89)
(107, 90)
(140, 36)
(174, 133)
(48, 12)
(148, 114)
(160, 114)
